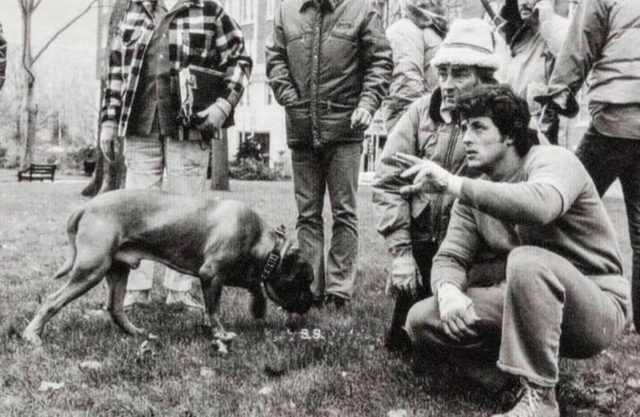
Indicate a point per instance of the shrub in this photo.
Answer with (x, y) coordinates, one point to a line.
(251, 170)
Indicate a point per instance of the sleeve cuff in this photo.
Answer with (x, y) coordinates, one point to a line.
(224, 106)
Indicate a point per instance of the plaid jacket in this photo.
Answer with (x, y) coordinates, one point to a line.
(201, 33)
(3, 57)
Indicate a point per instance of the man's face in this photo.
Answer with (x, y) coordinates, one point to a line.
(484, 145)
(525, 7)
(453, 79)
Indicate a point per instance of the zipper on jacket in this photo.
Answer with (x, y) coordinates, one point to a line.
(453, 139)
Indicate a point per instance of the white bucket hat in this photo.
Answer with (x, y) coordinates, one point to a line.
(468, 42)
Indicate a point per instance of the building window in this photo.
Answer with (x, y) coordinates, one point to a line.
(247, 10)
(254, 145)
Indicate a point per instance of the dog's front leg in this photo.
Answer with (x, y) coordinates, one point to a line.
(211, 291)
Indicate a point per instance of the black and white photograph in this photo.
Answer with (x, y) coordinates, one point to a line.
(324, 208)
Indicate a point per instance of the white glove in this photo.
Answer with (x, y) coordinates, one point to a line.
(456, 312)
(215, 115)
(403, 276)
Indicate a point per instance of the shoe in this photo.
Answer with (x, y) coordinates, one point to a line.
(397, 340)
(534, 402)
(140, 297)
(183, 298)
(336, 300)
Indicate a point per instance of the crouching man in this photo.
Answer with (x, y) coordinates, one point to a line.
(564, 293)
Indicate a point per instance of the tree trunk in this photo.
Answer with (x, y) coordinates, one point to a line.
(108, 175)
(220, 163)
(29, 111)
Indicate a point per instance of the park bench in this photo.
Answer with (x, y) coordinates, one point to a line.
(38, 172)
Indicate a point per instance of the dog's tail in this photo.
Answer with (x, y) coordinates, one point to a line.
(72, 230)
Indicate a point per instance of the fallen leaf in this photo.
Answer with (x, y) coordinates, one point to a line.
(266, 391)
(50, 386)
(92, 365)
(397, 413)
(633, 383)
(207, 372)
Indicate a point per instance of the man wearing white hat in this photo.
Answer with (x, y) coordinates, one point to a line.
(413, 227)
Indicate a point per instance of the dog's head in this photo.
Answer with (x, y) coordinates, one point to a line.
(290, 285)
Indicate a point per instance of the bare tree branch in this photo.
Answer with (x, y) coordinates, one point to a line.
(62, 29)
(35, 6)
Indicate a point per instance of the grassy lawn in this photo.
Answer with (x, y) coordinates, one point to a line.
(335, 366)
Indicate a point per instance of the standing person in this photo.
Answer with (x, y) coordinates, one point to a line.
(155, 40)
(601, 47)
(329, 65)
(414, 40)
(414, 227)
(564, 293)
(3, 58)
(534, 34)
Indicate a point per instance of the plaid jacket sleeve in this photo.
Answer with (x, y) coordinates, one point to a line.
(3, 57)
(112, 101)
(234, 60)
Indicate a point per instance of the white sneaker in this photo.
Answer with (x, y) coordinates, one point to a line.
(183, 298)
(534, 402)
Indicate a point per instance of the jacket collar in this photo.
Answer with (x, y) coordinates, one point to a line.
(434, 106)
(331, 4)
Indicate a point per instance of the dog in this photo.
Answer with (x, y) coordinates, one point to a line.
(222, 242)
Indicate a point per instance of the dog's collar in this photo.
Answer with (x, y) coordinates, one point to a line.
(277, 253)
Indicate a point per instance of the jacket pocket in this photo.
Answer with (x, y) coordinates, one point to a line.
(197, 48)
(298, 121)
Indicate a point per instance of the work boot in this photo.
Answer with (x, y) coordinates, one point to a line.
(183, 298)
(136, 297)
(534, 402)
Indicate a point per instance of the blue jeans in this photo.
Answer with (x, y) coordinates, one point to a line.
(546, 308)
(335, 168)
(607, 159)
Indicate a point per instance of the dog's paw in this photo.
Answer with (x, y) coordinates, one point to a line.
(220, 346)
(225, 336)
(32, 338)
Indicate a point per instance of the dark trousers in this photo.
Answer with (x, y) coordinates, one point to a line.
(423, 253)
(607, 159)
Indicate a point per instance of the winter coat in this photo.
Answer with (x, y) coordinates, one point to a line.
(601, 48)
(201, 33)
(529, 56)
(414, 40)
(424, 216)
(325, 59)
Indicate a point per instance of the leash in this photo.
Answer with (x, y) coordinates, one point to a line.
(273, 260)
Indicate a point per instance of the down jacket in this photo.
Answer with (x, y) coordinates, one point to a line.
(425, 216)
(325, 59)
(601, 48)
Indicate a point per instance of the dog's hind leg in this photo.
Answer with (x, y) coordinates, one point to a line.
(81, 281)
(258, 304)
(117, 279)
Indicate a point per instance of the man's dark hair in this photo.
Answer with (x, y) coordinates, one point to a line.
(508, 112)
